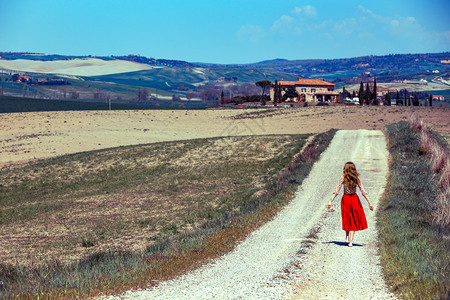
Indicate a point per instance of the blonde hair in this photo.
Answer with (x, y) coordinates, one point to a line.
(351, 176)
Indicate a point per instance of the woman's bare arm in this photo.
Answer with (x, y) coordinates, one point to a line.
(363, 192)
(336, 192)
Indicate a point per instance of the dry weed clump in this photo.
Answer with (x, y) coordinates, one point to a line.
(442, 212)
(439, 157)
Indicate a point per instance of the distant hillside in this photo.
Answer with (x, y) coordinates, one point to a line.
(122, 77)
(131, 57)
(394, 63)
(41, 56)
(348, 71)
(387, 68)
(192, 77)
(272, 61)
(154, 61)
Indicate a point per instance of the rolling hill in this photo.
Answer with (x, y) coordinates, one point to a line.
(121, 77)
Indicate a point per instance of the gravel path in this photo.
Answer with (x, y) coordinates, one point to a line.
(282, 259)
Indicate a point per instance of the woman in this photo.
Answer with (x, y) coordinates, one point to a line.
(353, 217)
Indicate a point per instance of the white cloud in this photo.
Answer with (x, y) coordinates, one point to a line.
(297, 10)
(365, 36)
(365, 10)
(395, 23)
(400, 32)
(346, 26)
(282, 24)
(310, 10)
(252, 33)
(294, 22)
(306, 10)
(367, 29)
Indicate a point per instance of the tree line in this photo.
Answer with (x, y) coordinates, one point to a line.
(368, 96)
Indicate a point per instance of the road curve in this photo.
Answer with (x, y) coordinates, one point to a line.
(252, 270)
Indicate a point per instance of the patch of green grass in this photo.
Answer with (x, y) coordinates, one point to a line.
(415, 250)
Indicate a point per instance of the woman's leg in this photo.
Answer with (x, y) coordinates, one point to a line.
(346, 237)
(352, 234)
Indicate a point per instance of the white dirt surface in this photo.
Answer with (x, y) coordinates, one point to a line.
(274, 262)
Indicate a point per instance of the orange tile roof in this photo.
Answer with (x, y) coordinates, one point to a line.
(385, 90)
(301, 81)
(327, 93)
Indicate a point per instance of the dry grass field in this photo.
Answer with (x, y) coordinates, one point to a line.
(29, 136)
(125, 198)
(26, 137)
(86, 191)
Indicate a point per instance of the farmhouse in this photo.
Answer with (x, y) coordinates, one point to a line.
(381, 92)
(24, 79)
(438, 97)
(308, 90)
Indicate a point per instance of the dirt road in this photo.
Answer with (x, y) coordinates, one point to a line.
(331, 269)
(271, 264)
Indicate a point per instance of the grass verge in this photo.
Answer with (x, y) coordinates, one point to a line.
(413, 220)
(102, 222)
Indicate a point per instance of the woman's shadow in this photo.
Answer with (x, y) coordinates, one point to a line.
(343, 244)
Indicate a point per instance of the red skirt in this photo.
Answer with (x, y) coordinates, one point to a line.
(353, 217)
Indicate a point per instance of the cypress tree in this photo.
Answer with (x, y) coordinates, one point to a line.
(387, 99)
(278, 93)
(361, 93)
(368, 94)
(398, 98)
(274, 90)
(416, 101)
(430, 100)
(406, 93)
(374, 93)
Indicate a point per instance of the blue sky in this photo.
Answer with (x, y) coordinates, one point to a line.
(242, 31)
